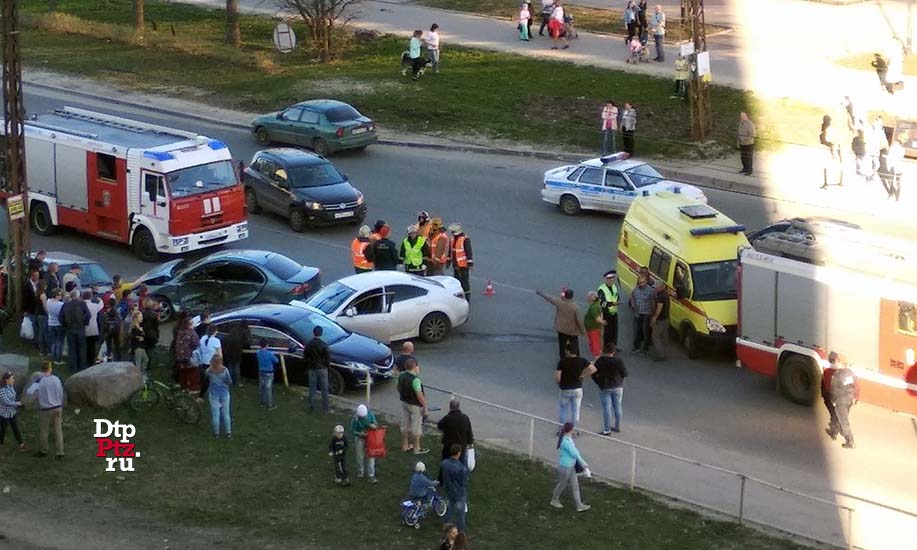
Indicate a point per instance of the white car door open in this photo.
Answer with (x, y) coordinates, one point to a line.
(368, 314)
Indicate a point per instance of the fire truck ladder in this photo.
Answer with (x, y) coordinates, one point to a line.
(123, 123)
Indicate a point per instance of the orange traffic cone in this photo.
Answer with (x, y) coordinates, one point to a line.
(489, 289)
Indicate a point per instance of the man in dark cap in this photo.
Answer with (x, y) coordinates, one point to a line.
(840, 390)
(383, 252)
(423, 225)
(610, 300)
(377, 231)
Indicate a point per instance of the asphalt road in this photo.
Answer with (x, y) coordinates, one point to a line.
(705, 409)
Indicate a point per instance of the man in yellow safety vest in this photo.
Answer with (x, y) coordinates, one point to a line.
(610, 300)
(358, 250)
(414, 250)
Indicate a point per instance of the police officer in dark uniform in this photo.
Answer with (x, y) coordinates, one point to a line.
(840, 391)
(609, 300)
(383, 252)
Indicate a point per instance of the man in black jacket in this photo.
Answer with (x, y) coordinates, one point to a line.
(74, 318)
(234, 345)
(609, 377)
(317, 357)
(456, 428)
(383, 252)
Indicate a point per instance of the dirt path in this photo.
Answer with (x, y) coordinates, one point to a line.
(32, 520)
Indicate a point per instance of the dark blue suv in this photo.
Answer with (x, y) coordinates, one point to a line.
(303, 187)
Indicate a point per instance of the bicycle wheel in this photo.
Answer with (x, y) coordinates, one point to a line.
(186, 409)
(440, 506)
(411, 517)
(144, 399)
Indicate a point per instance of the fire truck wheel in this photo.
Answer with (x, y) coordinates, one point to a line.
(41, 219)
(297, 219)
(263, 137)
(251, 201)
(799, 379)
(144, 246)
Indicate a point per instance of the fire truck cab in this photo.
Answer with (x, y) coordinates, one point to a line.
(803, 294)
(158, 189)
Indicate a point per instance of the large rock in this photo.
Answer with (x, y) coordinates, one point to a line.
(105, 385)
(18, 365)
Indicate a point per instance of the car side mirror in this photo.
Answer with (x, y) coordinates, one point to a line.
(345, 176)
(279, 116)
(350, 312)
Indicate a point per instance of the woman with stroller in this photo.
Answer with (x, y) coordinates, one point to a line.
(556, 26)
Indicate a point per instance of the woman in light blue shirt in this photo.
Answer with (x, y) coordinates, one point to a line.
(218, 392)
(566, 469)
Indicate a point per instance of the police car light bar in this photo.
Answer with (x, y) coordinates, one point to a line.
(700, 231)
(614, 158)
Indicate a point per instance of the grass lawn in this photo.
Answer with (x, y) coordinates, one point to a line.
(863, 62)
(273, 480)
(478, 95)
(586, 18)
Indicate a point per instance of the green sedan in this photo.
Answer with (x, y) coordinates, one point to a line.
(323, 125)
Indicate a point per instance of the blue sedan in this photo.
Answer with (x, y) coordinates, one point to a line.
(287, 330)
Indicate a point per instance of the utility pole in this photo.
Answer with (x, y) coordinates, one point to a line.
(699, 96)
(13, 114)
(910, 25)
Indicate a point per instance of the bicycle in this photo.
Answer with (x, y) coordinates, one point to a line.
(414, 510)
(183, 406)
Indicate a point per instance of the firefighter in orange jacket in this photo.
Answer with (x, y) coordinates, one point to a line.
(439, 248)
(424, 225)
(358, 250)
(461, 258)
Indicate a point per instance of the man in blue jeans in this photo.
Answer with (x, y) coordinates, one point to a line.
(609, 377)
(266, 361)
(455, 481)
(318, 360)
(569, 375)
(657, 24)
(74, 317)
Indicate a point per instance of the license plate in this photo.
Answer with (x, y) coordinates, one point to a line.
(358, 130)
(338, 215)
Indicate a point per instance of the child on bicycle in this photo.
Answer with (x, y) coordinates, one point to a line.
(422, 486)
(338, 451)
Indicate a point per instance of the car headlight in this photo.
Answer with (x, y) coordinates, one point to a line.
(359, 199)
(357, 365)
(180, 241)
(715, 326)
(313, 205)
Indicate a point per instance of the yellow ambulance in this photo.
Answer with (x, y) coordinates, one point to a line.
(692, 248)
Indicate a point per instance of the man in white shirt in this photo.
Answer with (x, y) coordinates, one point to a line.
(547, 6)
(50, 394)
(210, 345)
(95, 305)
(73, 276)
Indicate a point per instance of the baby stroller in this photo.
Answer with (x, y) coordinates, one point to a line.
(407, 64)
(639, 52)
(569, 28)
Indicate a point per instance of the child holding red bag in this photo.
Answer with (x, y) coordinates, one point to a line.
(364, 421)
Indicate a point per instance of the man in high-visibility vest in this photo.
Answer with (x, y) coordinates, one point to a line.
(610, 300)
(439, 248)
(358, 251)
(414, 250)
(461, 258)
(424, 225)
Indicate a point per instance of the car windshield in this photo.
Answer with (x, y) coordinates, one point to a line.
(201, 179)
(714, 281)
(283, 267)
(94, 274)
(342, 113)
(331, 331)
(314, 175)
(331, 297)
(643, 175)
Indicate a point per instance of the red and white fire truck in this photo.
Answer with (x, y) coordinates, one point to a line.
(804, 294)
(158, 189)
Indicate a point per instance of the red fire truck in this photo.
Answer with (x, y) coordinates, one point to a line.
(804, 294)
(158, 189)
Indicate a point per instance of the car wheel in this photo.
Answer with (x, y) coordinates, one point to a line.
(144, 246)
(166, 311)
(799, 379)
(336, 384)
(263, 136)
(41, 219)
(297, 219)
(320, 147)
(251, 201)
(569, 205)
(690, 342)
(434, 327)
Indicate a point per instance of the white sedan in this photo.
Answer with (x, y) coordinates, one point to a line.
(391, 306)
(607, 184)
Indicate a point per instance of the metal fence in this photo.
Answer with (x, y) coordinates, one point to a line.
(746, 498)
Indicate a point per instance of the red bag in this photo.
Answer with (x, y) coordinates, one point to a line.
(375, 443)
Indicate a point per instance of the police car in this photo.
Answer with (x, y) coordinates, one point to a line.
(607, 184)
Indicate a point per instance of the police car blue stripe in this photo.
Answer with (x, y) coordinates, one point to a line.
(597, 189)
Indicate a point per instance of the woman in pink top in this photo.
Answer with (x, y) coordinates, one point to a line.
(609, 126)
